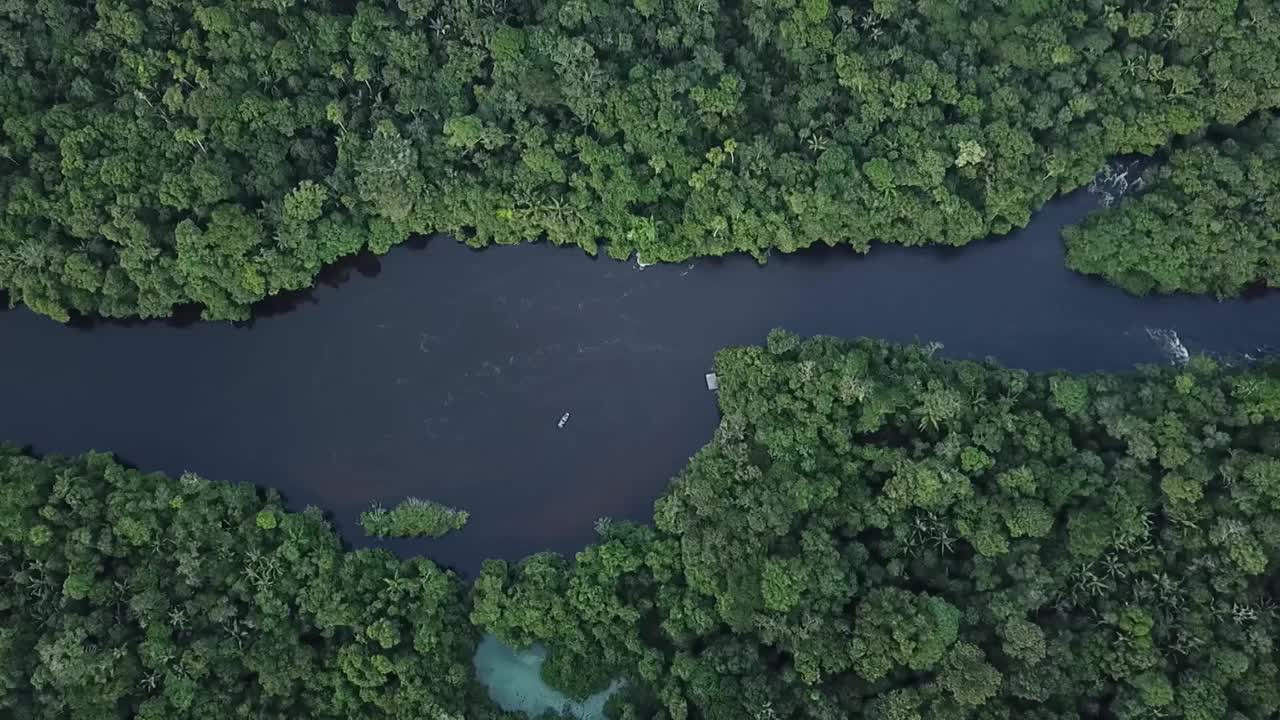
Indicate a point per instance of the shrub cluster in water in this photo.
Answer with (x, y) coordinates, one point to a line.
(413, 518)
(872, 533)
(159, 153)
(1210, 222)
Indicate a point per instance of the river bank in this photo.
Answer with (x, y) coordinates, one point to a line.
(443, 372)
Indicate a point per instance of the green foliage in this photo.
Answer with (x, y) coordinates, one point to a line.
(162, 153)
(895, 629)
(133, 596)
(413, 518)
(567, 673)
(1210, 222)
(873, 532)
(1039, 545)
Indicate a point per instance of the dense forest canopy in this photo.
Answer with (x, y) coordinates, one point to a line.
(136, 596)
(1208, 221)
(161, 152)
(875, 533)
(872, 533)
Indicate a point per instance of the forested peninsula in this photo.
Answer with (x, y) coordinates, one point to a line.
(873, 532)
(1206, 221)
(158, 153)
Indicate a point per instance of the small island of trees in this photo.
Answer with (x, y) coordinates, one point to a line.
(413, 518)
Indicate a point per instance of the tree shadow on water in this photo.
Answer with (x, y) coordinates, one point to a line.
(364, 263)
(183, 316)
(1258, 290)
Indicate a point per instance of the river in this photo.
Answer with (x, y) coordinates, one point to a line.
(443, 372)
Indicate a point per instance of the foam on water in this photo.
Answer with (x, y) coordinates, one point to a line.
(1262, 353)
(514, 680)
(1171, 344)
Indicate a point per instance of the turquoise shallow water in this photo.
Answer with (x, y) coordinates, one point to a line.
(514, 680)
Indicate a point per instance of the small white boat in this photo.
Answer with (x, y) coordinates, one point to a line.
(563, 419)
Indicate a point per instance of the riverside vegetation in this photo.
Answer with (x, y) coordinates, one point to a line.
(413, 518)
(1209, 222)
(160, 153)
(873, 532)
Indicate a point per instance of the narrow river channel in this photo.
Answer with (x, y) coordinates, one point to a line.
(445, 373)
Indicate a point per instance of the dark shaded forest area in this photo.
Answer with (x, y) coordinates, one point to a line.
(162, 152)
(872, 533)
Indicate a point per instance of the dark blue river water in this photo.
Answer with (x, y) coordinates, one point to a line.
(446, 375)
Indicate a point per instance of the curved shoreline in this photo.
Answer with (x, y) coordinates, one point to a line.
(445, 376)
